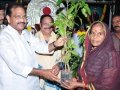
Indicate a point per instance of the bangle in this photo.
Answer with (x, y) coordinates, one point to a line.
(54, 44)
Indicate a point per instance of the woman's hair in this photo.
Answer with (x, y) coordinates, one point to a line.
(97, 22)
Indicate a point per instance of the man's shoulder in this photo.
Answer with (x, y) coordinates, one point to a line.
(5, 35)
(5, 30)
(114, 36)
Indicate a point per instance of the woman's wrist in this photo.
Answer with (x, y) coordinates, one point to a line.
(54, 44)
(81, 84)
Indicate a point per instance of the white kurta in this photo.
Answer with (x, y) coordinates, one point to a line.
(17, 60)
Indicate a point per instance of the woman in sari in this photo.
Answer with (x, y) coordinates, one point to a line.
(101, 63)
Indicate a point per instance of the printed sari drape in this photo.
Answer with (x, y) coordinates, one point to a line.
(100, 67)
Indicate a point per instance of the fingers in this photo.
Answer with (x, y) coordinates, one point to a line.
(55, 70)
(51, 76)
(74, 79)
(55, 78)
(68, 84)
(65, 85)
(61, 41)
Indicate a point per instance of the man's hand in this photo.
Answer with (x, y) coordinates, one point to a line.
(60, 41)
(48, 74)
(55, 69)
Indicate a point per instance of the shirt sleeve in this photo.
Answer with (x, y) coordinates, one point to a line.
(10, 57)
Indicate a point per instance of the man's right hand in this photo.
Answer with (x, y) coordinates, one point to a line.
(60, 41)
(48, 74)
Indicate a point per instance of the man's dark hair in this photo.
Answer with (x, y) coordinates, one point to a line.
(115, 15)
(2, 8)
(13, 6)
(46, 15)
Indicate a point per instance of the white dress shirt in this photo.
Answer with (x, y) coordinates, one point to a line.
(17, 60)
(2, 26)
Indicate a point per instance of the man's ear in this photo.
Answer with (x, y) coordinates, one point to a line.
(8, 18)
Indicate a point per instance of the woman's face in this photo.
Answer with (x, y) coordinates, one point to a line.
(97, 35)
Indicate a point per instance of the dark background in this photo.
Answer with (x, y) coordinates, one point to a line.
(114, 5)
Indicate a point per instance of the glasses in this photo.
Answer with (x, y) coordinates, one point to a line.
(20, 17)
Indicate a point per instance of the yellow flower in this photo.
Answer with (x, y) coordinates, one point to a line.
(80, 33)
(29, 28)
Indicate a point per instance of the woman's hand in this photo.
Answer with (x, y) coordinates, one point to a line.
(71, 84)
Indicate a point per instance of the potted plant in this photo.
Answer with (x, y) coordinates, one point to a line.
(65, 24)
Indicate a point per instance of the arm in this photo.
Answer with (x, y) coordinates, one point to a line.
(10, 56)
(14, 63)
(73, 84)
(58, 43)
(52, 46)
(42, 47)
(44, 73)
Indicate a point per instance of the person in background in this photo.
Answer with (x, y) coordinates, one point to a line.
(116, 32)
(18, 66)
(2, 16)
(47, 61)
(100, 69)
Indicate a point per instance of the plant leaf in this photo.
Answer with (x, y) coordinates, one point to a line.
(59, 2)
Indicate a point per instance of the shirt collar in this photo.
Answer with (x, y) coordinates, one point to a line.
(15, 32)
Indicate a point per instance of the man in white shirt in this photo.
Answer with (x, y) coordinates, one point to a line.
(2, 15)
(18, 67)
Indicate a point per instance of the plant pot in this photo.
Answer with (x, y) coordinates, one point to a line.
(66, 75)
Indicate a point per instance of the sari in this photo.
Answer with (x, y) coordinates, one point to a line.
(100, 69)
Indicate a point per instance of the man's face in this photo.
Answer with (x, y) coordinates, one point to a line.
(46, 25)
(116, 23)
(17, 19)
(2, 14)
